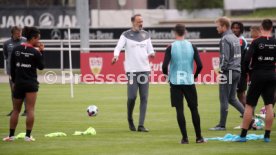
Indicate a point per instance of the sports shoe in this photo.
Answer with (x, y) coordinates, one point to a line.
(9, 114)
(131, 126)
(9, 139)
(142, 129)
(267, 140)
(217, 128)
(29, 139)
(237, 127)
(184, 141)
(24, 113)
(200, 140)
(240, 139)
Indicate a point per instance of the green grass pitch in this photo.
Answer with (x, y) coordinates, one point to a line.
(56, 111)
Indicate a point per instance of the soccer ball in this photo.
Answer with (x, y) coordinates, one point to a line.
(258, 124)
(92, 110)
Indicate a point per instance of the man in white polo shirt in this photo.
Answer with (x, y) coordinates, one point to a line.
(138, 49)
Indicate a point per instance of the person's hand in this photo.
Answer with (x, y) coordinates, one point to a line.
(114, 60)
(40, 47)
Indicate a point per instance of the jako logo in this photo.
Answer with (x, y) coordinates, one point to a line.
(46, 20)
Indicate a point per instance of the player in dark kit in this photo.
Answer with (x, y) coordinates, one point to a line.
(25, 59)
(262, 55)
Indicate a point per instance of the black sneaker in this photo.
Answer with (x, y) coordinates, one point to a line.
(142, 129)
(24, 113)
(184, 141)
(9, 114)
(131, 126)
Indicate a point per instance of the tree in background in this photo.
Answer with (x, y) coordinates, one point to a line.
(198, 4)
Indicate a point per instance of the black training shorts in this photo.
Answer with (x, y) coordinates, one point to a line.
(20, 90)
(262, 83)
(178, 92)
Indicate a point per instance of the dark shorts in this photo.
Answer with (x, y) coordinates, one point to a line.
(262, 84)
(179, 91)
(242, 85)
(20, 90)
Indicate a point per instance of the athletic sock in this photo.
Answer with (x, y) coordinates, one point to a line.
(28, 133)
(267, 134)
(12, 132)
(243, 132)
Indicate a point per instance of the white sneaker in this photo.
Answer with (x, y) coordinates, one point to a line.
(237, 127)
(9, 139)
(217, 128)
(29, 139)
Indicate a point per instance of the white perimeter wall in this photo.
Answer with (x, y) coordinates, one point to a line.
(121, 18)
(248, 4)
